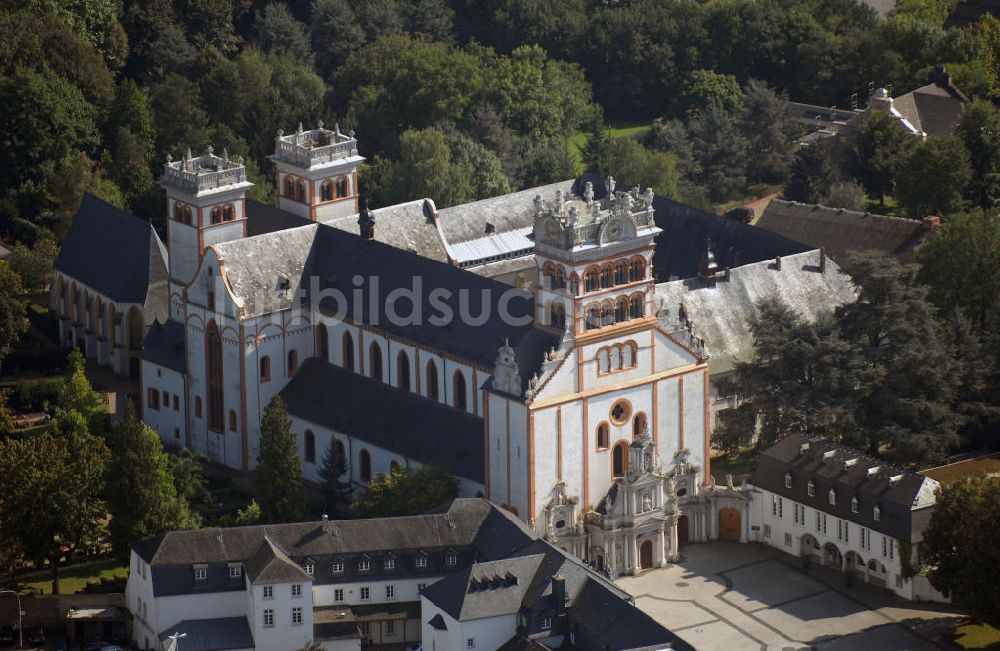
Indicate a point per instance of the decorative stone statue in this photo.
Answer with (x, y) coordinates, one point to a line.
(609, 185)
(647, 197)
(588, 192)
(538, 204)
(574, 216)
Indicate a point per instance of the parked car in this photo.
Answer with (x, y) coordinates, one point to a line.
(35, 636)
(7, 635)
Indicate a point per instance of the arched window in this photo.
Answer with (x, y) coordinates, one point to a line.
(289, 188)
(322, 343)
(341, 452)
(636, 269)
(403, 370)
(811, 488)
(635, 306)
(347, 351)
(136, 330)
(458, 390)
(603, 436)
(574, 284)
(265, 368)
(365, 465)
(300, 191)
(854, 505)
(228, 213)
(232, 420)
(877, 513)
(375, 361)
(590, 280)
(607, 276)
(309, 446)
(621, 310)
(547, 280)
(629, 355)
(432, 380)
(326, 191)
(788, 480)
(216, 215)
(342, 189)
(557, 316)
(607, 313)
(197, 406)
(619, 460)
(604, 360)
(832, 497)
(593, 317)
(621, 273)
(112, 331)
(639, 424)
(559, 278)
(213, 362)
(293, 362)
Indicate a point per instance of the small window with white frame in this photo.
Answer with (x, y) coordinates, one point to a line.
(337, 567)
(296, 589)
(421, 560)
(877, 513)
(832, 497)
(268, 591)
(297, 615)
(364, 565)
(470, 643)
(201, 573)
(338, 595)
(310, 568)
(366, 593)
(451, 559)
(390, 592)
(390, 563)
(268, 618)
(788, 480)
(855, 505)
(811, 488)
(546, 623)
(235, 570)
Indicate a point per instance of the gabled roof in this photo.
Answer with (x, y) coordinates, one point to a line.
(934, 109)
(220, 634)
(409, 226)
(102, 241)
(485, 589)
(416, 427)
(838, 231)
(270, 564)
(719, 311)
(164, 345)
(263, 219)
(903, 497)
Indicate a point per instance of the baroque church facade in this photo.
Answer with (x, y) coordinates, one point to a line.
(580, 406)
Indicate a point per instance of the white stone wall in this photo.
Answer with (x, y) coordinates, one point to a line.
(406, 589)
(283, 634)
(169, 421)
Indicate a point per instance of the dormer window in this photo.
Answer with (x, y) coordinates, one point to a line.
(788, 480)
(337, 567)
(546, 623)
(309, 567)
(390, 564)
(854, 505)
(832, 497)
(235, 570)
(421, 560)
(364, 565)
(201, 573)
(811, 488)
(877, 513)
(451, 559)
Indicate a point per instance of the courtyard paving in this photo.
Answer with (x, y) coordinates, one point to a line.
(727, 596)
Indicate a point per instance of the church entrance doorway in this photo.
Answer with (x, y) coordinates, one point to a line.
(646, 555)
(682, 529)
(729, 525)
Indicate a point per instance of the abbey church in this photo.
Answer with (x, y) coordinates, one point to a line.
(571, 397)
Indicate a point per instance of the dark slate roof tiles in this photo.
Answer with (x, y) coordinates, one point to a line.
(164, 345)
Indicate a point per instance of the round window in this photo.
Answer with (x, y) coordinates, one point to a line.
(620, 412)
(681, 492)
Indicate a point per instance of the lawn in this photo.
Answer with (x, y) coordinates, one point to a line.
(75, 578)
(737, 465)
(977, 636)
(576, 142)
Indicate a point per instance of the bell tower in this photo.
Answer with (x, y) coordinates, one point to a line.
(594, 260)
(206, 204)
(317, 175)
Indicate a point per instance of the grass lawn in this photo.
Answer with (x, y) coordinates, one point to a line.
(977, 636)
(742, 464)
(576, 142)
(72, 579)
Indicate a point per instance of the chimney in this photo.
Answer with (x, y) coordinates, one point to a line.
(777, 263)
(559, 594)
(822, 261)
(931, 222)
(366, 223)
(326, 523)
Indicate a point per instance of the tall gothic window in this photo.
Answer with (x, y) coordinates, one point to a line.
(289, 190)
(293, 362)
(213, 360)
(603, 436)
(375, 361)
(326, 191)
(638, 424)
(432, 380)
(619, 460)
(342, 187)
(635, 306)
(322, 343)
(300, 191)
(365, 463)
(347, 346)
(458, 390)
(403, 370)
(309, 446)
(636, 270)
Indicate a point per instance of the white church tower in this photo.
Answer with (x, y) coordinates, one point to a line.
(206, 205)
(317, 175)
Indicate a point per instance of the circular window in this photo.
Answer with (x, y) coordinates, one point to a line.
(620, 412)
(681, 492)
(560, 524)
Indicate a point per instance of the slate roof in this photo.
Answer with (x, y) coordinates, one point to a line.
(838, 231)
(934, 109)
(164, 345)
(415, 427)
(263, 219)
(255, 267)
(719, 312)
(220, 634)
(409, 226)
(102, 241)
(270, 564)
(506, 213)
(485, 589)
(904, 497)
(686, 231)
(966, 13)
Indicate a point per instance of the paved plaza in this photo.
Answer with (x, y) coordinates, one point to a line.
(728, 596)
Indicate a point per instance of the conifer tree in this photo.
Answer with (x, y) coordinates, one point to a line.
(334, 467)
(142, 498)
(279, 472)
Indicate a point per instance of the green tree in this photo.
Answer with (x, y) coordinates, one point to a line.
(405, 491)
(250, 515)
(959, 546)
(331, 474)
(189, 477)
(721, 150)
(34, 264)
(945, 160)
(179, 119)
(488, 178)
(278, 31)
(335, 34)
(279, 473)
(50, 488)
(426, 169)
(96, 22)
(707, 88)
(880, 140)
(765, 123)
(633, 164)
(848, 195)
(142, 497)
(979, 130)
(945, 267)
(77, 395)
(132, 139)
(13, 309)
(813, 174)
